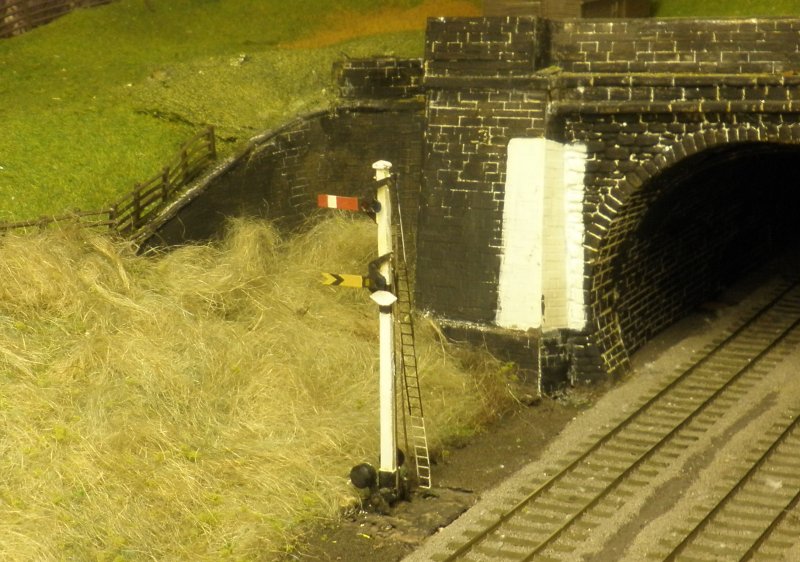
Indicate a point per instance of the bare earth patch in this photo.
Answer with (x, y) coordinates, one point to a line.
(459, 480)
(343, 25)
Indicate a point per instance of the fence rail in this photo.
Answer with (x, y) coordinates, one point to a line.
(135, 210)
(139, 207)
(84, 218)
(19, 16)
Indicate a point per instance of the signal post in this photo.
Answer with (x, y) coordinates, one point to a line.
(385, 486)
(387, 475)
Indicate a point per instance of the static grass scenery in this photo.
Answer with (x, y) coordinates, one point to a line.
(206, 403)
(203, 404)
(727, 8)
(102, 98)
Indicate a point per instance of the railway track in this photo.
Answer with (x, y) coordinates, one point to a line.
(751, 519)
(555, 514)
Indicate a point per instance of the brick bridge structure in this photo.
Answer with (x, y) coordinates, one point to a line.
(586, 183)
(577, 185)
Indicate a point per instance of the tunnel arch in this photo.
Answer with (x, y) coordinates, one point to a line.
(684, 224)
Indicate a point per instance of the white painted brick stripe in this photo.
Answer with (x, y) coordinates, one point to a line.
(543, 234)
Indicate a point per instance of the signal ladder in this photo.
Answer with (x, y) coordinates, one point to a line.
(406, 358)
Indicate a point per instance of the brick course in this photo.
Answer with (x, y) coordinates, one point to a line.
(676, 46)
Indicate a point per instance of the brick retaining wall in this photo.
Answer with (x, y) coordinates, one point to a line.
(280, 174)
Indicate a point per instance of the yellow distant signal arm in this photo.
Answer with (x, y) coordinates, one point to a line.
(374, 281)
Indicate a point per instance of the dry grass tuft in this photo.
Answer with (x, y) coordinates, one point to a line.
(203, 404)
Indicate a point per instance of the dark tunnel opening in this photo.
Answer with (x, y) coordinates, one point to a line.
(702, 225)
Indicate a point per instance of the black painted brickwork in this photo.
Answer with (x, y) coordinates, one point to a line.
(378, 78)
(676, 46)
(279, 177)
(568, 358)
(460, 225)
(656, 88)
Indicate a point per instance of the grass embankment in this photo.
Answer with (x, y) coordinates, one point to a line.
(197, 405)
(727, 8)
(208, 403)
(102, 98)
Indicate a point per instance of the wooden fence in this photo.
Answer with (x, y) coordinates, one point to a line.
(139, 207)
(19, 16)
(132, 212)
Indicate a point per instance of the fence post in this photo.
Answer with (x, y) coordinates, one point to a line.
(212, 143)
(165, 183)
(112, 217)
(136, 211)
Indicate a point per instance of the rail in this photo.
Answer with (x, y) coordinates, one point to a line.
(534, 524)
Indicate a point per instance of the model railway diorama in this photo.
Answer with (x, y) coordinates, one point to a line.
(567, 196)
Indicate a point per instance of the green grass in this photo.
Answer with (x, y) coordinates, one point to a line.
(102, 98)
(727, 8)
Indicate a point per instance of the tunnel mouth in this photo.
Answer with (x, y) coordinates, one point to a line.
(694, 229)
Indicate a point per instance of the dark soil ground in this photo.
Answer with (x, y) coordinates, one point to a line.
(458, 479)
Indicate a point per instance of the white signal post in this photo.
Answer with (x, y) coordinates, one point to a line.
(388, 477)
(387, 474)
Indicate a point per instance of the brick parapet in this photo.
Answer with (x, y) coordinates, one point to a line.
(498, 47)
(378, 78)
(676, 45)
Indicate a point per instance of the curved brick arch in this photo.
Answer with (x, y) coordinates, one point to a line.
(614, 222)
